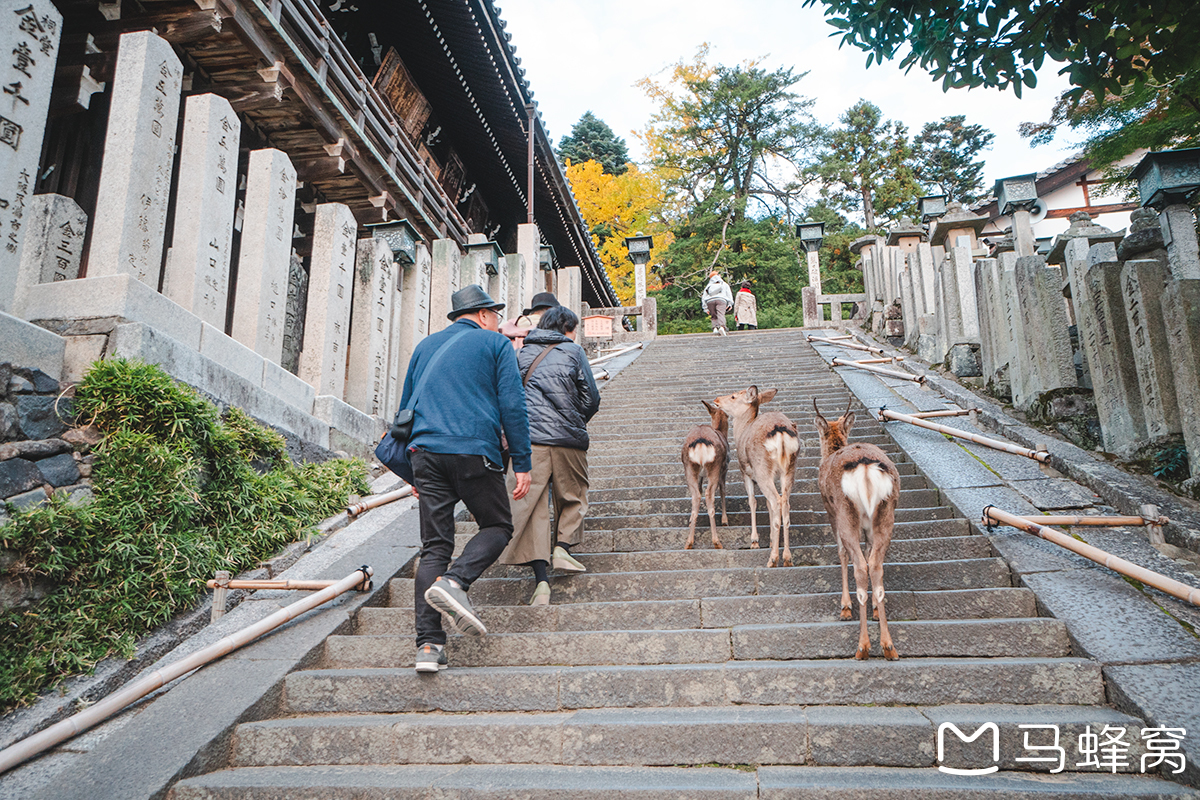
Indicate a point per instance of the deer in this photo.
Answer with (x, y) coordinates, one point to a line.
(766, 449)
(861, 488)
(706, 455)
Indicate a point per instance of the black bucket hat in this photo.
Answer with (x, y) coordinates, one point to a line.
(471, 298)
(542, 300)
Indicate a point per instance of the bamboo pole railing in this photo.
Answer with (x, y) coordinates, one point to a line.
(884, 360)
(1100, 522)
(950, 412)
(995, 444)
(1190, 594)
(61, 731)
(852, 345)
(377, 500)
(620, 352)
(291, 585)
(891, 373)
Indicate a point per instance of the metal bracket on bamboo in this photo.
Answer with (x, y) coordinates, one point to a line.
(95, 714)
(852, 345)
(870, 367)
(1037, 455)
(377, 500)
(1190, 594)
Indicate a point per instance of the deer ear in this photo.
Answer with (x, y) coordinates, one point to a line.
(822, 425)
(847, 421)
(767, 396)
(711, 408)
(751, 393)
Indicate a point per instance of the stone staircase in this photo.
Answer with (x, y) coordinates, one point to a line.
(670, 673)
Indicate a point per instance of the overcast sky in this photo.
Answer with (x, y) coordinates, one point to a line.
(586, 55)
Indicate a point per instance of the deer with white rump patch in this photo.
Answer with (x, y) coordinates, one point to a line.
(861, 488)
(766, 448)
(706, 455)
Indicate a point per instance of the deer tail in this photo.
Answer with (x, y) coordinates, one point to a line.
(866, 485)
(701, 453)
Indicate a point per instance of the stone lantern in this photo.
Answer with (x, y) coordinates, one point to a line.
(402, 237)
(1166, 181)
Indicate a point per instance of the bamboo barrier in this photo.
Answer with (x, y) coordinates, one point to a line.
(602, 375)
(1098, 522)
(891, 373)
(273, 584)
(61, 731)
(1190, 594)
(884, 360)
(620, 352)
(377, 500)
(959, 412)
(995, 444)
(852, 345)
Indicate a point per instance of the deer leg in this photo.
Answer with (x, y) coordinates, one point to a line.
(693, 484)
(885, 637)
(844, 557)
(710, 492)
(724, 515)
(753, 503)
(773, 512)
(861, 582)
(785, 517)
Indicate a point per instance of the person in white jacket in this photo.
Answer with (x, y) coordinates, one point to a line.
(717, 299)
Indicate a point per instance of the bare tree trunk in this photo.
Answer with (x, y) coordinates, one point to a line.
(868, 207)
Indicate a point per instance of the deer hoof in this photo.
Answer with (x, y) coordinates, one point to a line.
(847, 613)
(687, 546)
(863, 653)
(773, 561)
(717, 546)
(787, 560)
(754, 545)
(890, 653)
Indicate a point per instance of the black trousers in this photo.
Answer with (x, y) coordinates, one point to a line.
(442, 481)
(742, 326)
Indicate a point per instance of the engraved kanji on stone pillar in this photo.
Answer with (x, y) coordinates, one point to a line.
(514, 265)
(139, 149)
(1142, 283)
(54, 243)
(262, 281)
(327, 317)
(394, 375)
(414, 310)
(197, 273)
(444, 281)
(29, 41)
(293, 321)
(371, 327)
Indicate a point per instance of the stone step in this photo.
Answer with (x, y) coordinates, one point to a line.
(901, 550)
(908, 681)
(664, 488)
(473, 781)
(866, 783)
(696, 583)
(626, 476)
(989, 638)
(803, 497)
(803, 516)
(623, 540)
(729, 735)
(711, 612)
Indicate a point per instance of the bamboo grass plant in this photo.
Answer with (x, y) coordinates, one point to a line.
(180, 491)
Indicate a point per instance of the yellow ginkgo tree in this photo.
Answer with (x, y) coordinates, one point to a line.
(616, 206)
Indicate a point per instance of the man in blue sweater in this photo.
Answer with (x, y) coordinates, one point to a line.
(473, 393)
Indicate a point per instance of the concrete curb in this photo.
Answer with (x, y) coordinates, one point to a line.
(184, 728)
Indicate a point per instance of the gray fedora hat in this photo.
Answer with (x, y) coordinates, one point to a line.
(471, 298)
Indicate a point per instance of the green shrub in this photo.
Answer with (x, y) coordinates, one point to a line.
(180, 491)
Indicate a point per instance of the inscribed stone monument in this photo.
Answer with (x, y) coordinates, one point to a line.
(30, 37)
(265, 257)
(197, 272)
(55, 228)
(515, 297)
(414, 309)
(1181, 315)
(1142, 282)
(371, 327)
(139, 150)
(447, 261)
(327, 315)
(293, 320)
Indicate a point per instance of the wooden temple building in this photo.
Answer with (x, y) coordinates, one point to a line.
(274, 199)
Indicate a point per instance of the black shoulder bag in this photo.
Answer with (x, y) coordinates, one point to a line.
(392, 451)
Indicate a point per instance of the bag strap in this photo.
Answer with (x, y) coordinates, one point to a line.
(425, 373)
(545, 352)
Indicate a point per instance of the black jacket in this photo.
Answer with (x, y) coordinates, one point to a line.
(561, 394)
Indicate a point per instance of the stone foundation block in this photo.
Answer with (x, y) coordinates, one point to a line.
(288, 387)
(23, 343)
(111, 299)
(232, 355)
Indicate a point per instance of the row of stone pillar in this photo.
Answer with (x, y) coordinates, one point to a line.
(355, 313)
